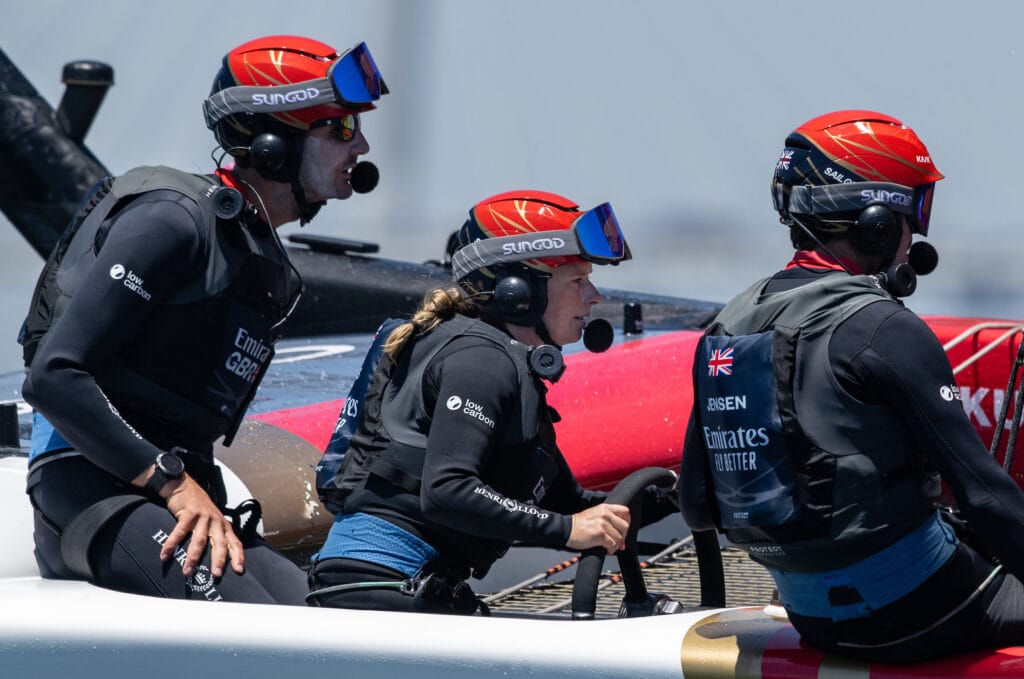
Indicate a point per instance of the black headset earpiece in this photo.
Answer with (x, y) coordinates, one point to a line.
(900, 280)
(875, 229)
(520, 296)
(513, 296)
(546, 362)
(268, 153)
(227, 203)
(275, 157)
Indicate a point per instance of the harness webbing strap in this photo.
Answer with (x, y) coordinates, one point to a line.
(77, 538)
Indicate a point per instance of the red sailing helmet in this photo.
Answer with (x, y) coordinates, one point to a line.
(513, 241)
(520, 212)
(350, 83)
(844, 149)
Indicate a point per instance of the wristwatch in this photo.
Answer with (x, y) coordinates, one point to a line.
(168, 468)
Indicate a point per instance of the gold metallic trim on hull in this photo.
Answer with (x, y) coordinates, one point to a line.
(731, 645)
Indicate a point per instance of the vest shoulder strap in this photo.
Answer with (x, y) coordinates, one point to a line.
(200, 188)
(814, 307)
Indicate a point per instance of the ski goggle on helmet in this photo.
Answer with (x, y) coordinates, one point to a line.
(351, 81)
(594, 235)
(915, 203)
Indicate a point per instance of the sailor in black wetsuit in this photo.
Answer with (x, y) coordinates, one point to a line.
(155, 319)
(825, 413)
(454, 457)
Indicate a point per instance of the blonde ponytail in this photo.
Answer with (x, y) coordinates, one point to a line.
(438, 305)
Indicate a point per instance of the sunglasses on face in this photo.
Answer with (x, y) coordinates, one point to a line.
(343, 128)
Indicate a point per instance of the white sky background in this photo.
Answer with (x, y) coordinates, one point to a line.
(674, 111)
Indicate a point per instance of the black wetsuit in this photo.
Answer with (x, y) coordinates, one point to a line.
(480, 490)
(120, 376)
(885, 355)
(468, 474)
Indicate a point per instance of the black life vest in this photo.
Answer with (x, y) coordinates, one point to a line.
(200, 356)
(390, 414)
(382, 468)
(802, 473)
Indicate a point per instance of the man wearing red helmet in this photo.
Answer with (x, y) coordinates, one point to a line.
(845, 414)
(154, 321)
(454, 457)
(287, 109)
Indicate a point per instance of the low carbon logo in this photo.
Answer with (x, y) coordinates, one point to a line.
(117, 272)
(454, 403)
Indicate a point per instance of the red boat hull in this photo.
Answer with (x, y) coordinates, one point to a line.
(628, 407)
(748, 643)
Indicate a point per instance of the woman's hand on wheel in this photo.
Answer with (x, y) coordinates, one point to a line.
(602, 525)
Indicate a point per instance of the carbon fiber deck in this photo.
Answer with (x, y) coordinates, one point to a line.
(746, 583)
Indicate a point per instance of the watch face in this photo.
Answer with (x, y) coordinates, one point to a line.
(171, 465)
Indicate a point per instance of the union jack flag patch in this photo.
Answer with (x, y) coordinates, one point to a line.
(784, 159)
(720, 362)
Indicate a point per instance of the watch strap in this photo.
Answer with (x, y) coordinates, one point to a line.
(157, 481)
(159, 478)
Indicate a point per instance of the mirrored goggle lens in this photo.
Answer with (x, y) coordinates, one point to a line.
(599, 234)
(356, 78)
(343, 127)
(924, 207)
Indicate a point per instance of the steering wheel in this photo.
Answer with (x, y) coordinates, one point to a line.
(584, 591)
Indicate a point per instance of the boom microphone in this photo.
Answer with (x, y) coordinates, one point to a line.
(598, 335)
(364, 177)
(923, 257)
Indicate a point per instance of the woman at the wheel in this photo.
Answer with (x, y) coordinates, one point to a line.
(454, 457)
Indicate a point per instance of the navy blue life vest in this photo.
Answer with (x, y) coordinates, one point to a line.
(753, 475)
(801, 473)
(329, 478)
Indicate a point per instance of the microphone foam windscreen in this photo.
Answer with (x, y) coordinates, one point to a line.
(598, 335)
(923, 257)
(364, 177)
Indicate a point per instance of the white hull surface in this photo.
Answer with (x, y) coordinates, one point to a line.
(73, 629)
(52, 628)
(65, 629)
